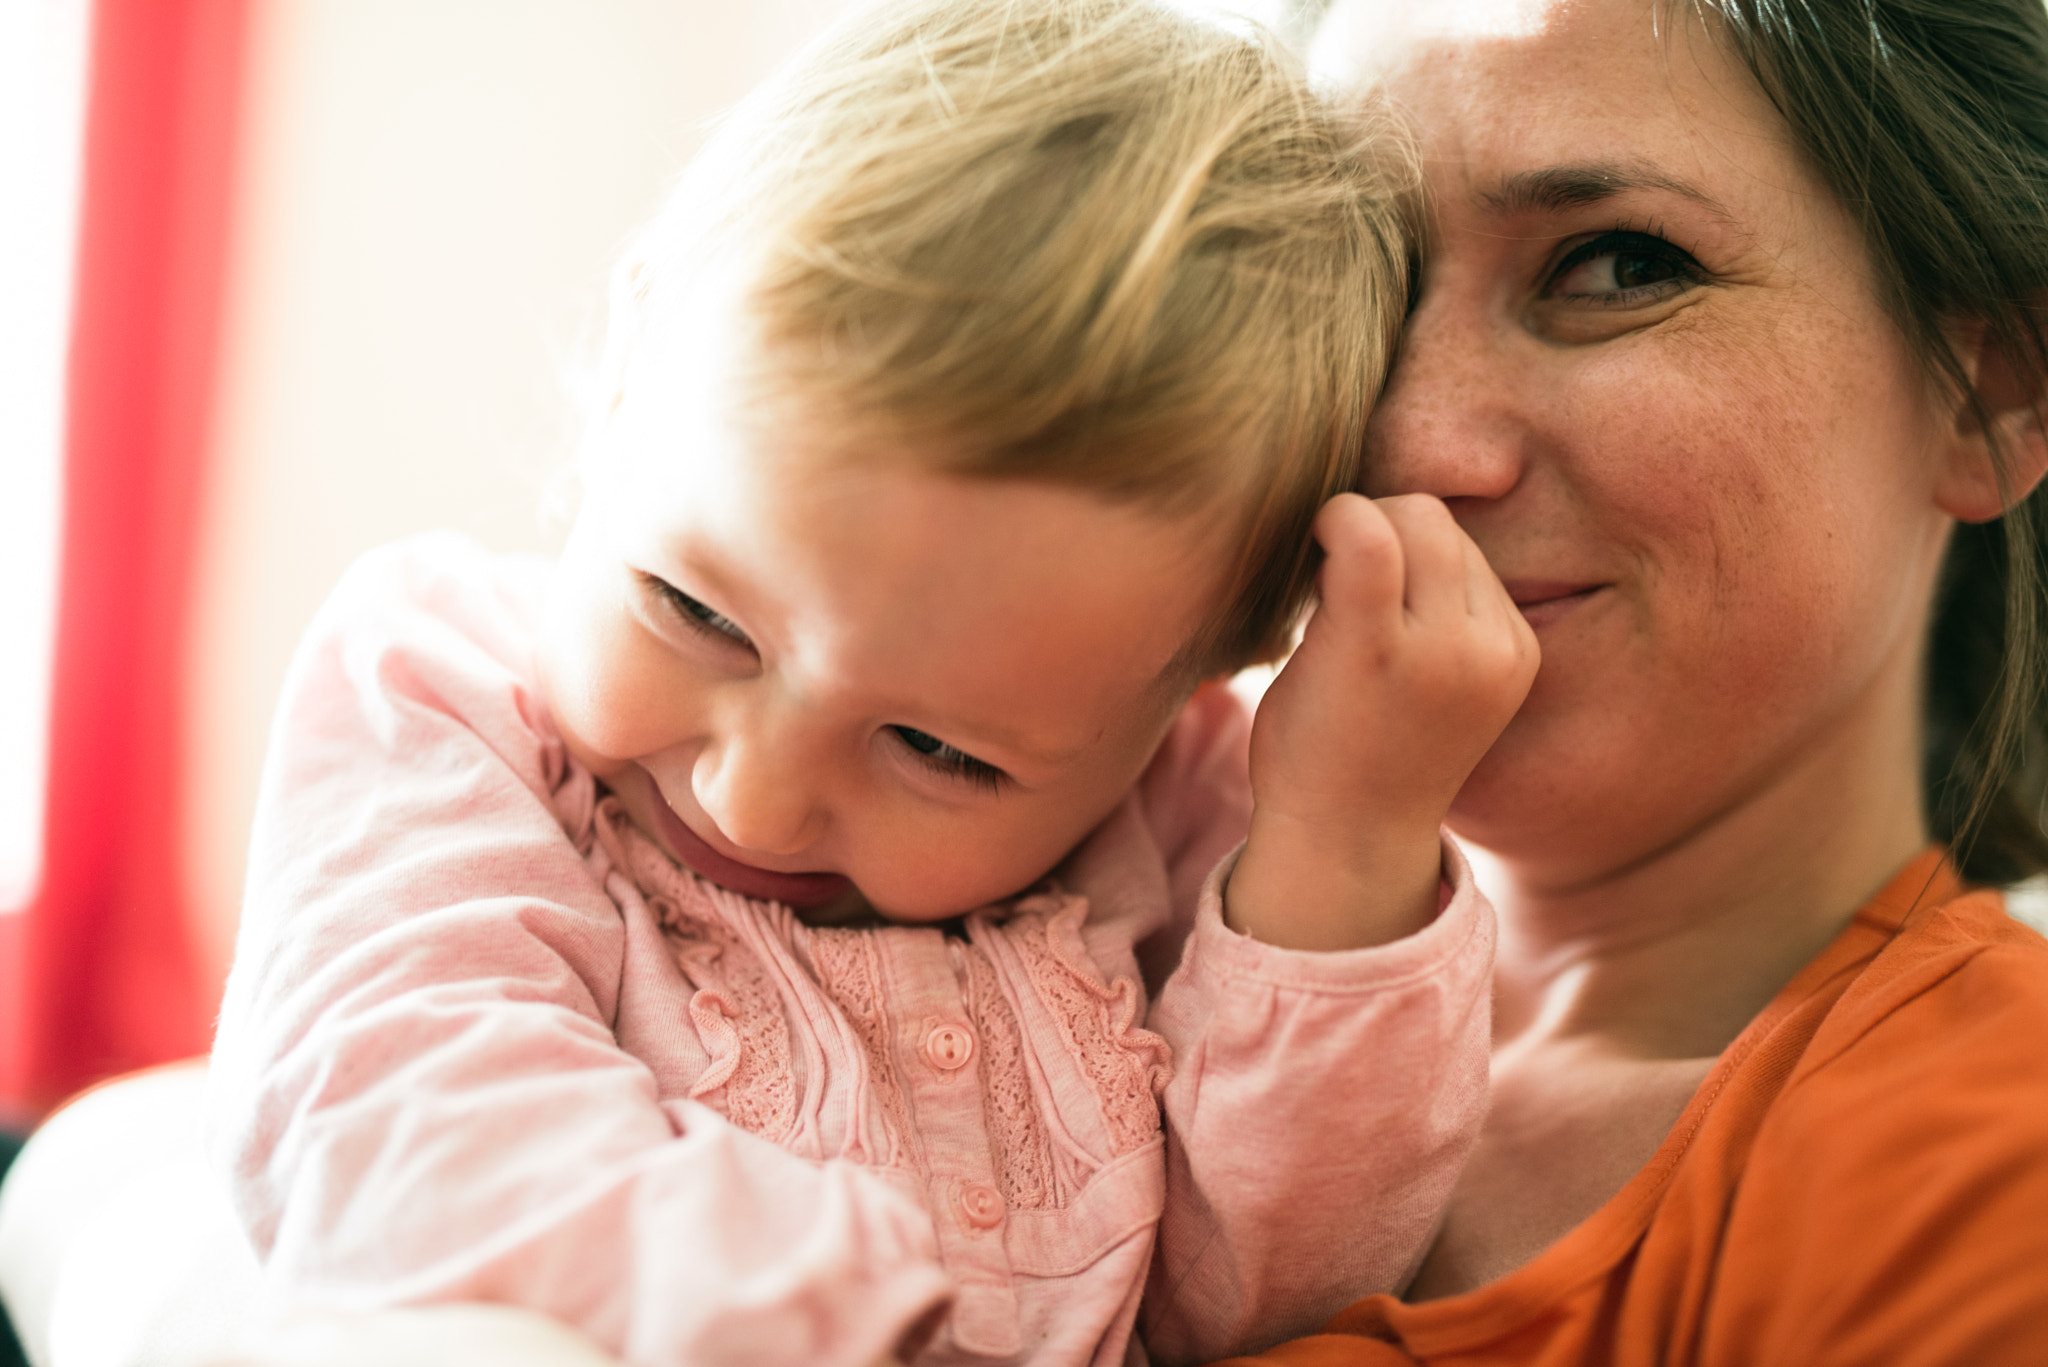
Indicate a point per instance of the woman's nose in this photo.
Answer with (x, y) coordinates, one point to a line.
(757, 789)
(1448, 422)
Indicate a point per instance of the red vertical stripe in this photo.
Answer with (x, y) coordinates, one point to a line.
(104, 962)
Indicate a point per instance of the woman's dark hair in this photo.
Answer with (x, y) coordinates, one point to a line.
(1928, 119)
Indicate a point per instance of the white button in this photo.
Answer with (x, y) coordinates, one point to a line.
(948, 1047)
(981, 1204)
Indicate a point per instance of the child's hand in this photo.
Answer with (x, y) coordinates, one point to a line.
(1413, 664)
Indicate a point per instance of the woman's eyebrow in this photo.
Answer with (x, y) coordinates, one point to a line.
(1553, 189)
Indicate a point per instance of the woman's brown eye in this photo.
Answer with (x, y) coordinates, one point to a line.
(1621, 267)
(1633, 269)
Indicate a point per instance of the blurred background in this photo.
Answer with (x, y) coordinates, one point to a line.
(280, 280)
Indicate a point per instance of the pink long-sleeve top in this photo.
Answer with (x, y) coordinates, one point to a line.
(484, 1041)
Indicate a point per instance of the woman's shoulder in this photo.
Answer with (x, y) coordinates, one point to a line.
(1983, 959)
(1960, 964)
(1950, 1014)
(1936, 1054)
(1895, 1192)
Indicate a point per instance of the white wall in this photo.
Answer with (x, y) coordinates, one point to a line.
(42, 114)
(431, 194)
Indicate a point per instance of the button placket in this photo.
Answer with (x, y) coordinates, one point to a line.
(939, 1056)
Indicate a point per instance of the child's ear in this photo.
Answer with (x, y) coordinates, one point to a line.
(2004, 428)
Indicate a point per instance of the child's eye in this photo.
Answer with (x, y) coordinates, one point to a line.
(942, 758)
(697, 615)
(1622, 268)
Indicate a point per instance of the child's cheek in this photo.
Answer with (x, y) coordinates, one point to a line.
(601, 684)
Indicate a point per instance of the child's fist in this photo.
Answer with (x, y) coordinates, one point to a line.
(1411, 666)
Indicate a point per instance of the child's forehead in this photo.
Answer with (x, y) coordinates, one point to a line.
(702, 433)
(837, 486)
(701, 406)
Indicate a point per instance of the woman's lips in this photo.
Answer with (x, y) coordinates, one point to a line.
(1543, 601)
(797, 890)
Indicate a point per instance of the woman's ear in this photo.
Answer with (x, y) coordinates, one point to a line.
(2002, 431)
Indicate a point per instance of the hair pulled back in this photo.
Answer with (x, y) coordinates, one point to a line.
(1928, 119)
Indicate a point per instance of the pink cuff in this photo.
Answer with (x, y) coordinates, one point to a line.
(1462, 913)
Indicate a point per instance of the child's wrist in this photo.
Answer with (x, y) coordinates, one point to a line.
(1306, 885)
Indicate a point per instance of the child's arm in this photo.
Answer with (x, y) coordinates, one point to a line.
(1330, 1066)
(1321, 1108)
(418, 1093)
(1413, 664)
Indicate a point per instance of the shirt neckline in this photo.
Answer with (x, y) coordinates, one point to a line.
(1590, 1250)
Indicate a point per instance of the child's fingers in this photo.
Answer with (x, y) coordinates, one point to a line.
(1362, 562)
(1447, 573)
(1432, 555)
(1486, 598)
(1513, 646)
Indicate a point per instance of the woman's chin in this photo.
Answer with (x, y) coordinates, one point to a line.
(1535, 798)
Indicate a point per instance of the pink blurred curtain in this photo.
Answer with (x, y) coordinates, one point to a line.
(97, 973)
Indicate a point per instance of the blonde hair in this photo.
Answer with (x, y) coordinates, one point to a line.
(1097, 243)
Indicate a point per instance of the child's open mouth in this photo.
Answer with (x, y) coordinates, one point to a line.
(796, 890)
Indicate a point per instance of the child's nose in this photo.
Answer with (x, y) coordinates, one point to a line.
(758, 794)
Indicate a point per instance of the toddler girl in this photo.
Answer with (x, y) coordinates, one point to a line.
(736, 939)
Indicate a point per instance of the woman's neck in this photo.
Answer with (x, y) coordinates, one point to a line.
(1670, 955)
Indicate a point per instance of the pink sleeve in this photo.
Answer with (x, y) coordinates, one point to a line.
(1321, 1108)
(417, 1090)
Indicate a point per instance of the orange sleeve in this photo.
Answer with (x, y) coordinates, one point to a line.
(1894, 1208)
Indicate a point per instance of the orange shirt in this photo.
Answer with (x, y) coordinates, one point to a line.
(1862, 1178)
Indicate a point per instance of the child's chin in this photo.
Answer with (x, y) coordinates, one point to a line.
(850, 909)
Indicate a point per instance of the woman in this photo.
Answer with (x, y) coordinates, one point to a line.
(1723, 353)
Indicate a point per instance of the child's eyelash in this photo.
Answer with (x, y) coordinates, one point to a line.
(695, 614)
(944, 759)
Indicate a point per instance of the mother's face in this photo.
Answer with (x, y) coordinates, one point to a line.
(1649, 372)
